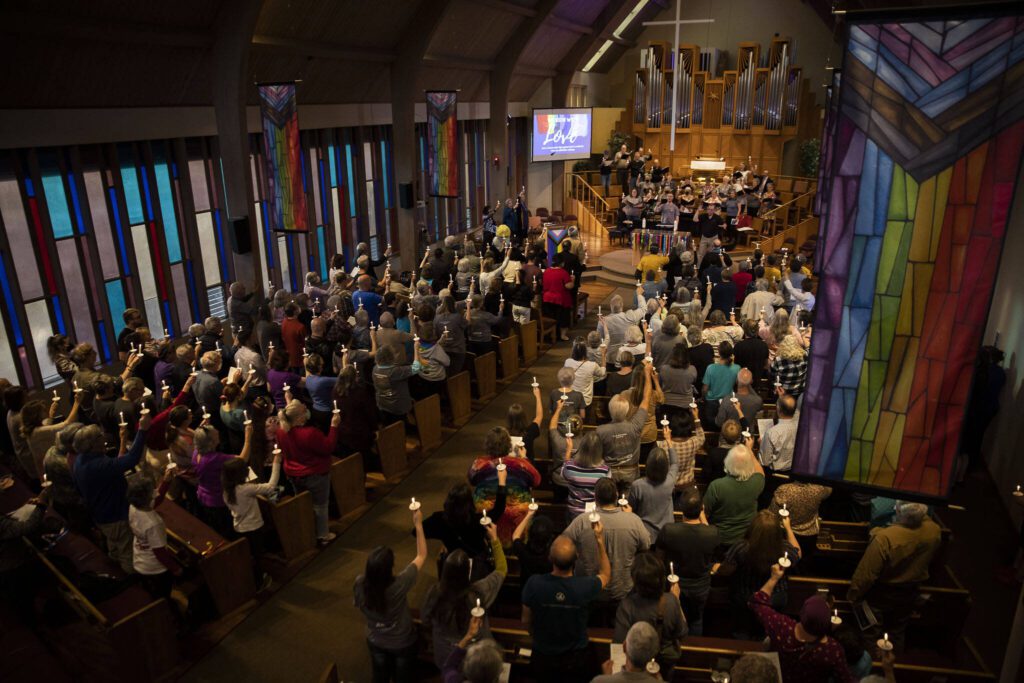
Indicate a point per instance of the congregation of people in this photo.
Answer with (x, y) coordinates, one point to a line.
(648, 510)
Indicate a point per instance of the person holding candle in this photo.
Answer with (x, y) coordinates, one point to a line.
(802, 501)
(807, 654)
(484, 476)
(649, 602)
(101, 481)
(207, 463)
(533, 553)
(626, 534)
(434, 362)
(207, 387)
(585, 372)
(446, 607)
(779, 441)
(240, 498)
(233, 414)
(457, 525)
(719, 381)
(381, 596)
(731, 501)
(522, 432)
(151, 559)
(556, 607)
(39, 429)
(614, 326)
(279, 377)
(620, 438)
(319, 383)
(307, 459)
(749, 563)
(894, 565)
(790, 366)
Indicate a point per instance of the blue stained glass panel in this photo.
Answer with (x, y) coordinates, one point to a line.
(147, 194)
(350, 181)
(132, 194)
(104, 343)
(166, 195)
(167, 318)
(222, 256)
(19, 339)
(332, 160)
(115, 300)
(58, 314)
(56, 202)
(77, 204)
(322, 241)
(384, 173)
(120, 233)
(266, 236)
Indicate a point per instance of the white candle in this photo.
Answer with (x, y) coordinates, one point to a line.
(336, 411)
(123, 423)
(414, 506)
(55, 397)
(1018, 492)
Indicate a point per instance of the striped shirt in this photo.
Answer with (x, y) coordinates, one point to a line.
(581, 482)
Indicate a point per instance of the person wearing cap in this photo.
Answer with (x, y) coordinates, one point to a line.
(807, 654)
(641, 645)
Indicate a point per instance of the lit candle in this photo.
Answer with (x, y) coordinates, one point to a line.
(783, 512)
(56, 398)
(533, 505)
(784, 561)
(336, 411)
(414, 505)
(245, 415)
(123, 423)
(835, 619)
(1018, 492)
(477, 611)
(884, 644)
(535, 384)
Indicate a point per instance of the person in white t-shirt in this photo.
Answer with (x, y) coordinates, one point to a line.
(240, 491)
(151, 558)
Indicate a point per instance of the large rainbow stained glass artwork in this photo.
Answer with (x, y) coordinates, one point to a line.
(286, 197)
(443, 143)
(925, 150)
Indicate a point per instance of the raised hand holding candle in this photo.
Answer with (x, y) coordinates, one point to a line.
(336, 410)
(485, 520)
(783, 512)
(672, 577)
(56, 398)
(123, 423)
(1018, 492)
(477, 611)
(414, 505)
(784, 561)
(885, 644)
(246, 420)
(835, 618)
(501, 466)
(533, 507)
(535, 384)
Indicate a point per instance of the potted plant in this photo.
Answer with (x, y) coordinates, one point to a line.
(810, 155)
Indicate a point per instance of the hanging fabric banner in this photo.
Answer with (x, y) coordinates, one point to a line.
(282, 153)
(443, 143)
(922, 163)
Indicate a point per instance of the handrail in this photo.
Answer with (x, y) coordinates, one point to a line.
(590, 188)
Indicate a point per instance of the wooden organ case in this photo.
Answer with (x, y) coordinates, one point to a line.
(750, 111)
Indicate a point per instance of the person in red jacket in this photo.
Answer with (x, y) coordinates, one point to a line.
(558, 284)
(307, 459)
(293, 336)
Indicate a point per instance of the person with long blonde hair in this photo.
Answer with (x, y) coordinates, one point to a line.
(307, 459)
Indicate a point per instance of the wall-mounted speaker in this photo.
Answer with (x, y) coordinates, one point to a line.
(405, 198)
(241, 238)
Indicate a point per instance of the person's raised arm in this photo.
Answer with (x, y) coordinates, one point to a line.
(646, 403)
(554, 416)
(497, 552)
(131, 458)
(604, 567)
(538, 408)
(247, 445)
(523, 525)
(421, 540)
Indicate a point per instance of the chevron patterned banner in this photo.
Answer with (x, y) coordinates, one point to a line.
(443, 143)
(924, 154)
(282, 154)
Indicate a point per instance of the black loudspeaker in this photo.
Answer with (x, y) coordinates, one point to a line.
(241, 238)
(405, 199)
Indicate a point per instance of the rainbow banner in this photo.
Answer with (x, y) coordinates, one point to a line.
(924, 156)
(282, 154)
(443, 143)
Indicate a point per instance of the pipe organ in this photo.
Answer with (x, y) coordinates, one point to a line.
(750, 110)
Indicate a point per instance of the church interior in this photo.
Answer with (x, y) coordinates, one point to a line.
(512, 340)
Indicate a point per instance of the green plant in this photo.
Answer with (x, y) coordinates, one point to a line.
(810, 155)
(617, 140)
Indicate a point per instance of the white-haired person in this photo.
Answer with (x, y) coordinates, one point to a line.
(641, 644)
(585, 372)
(614, 325)
(894, 565)
(730, 502)
(621, 437)
(760, 299)
(307, 459)
(473, 660)
(207, 386)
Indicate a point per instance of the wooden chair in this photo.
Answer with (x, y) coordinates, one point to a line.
(459, 401)
(391, 447)
(427, 412)
(293, 522)
(348, 483)
(548, 329)
(508, 354)
(528, 339)
(485, 371)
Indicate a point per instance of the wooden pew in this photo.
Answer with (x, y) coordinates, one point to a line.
(348, 483)
(226, 566)
(391, 446)
(528, 339)
(459, 401)
(134, 635)
(427, 413)
(485, 376)
(508, 352)
(292, 520)
(702, 654)
(548, 329)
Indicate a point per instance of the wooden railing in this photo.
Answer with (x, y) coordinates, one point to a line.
(587, 194)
